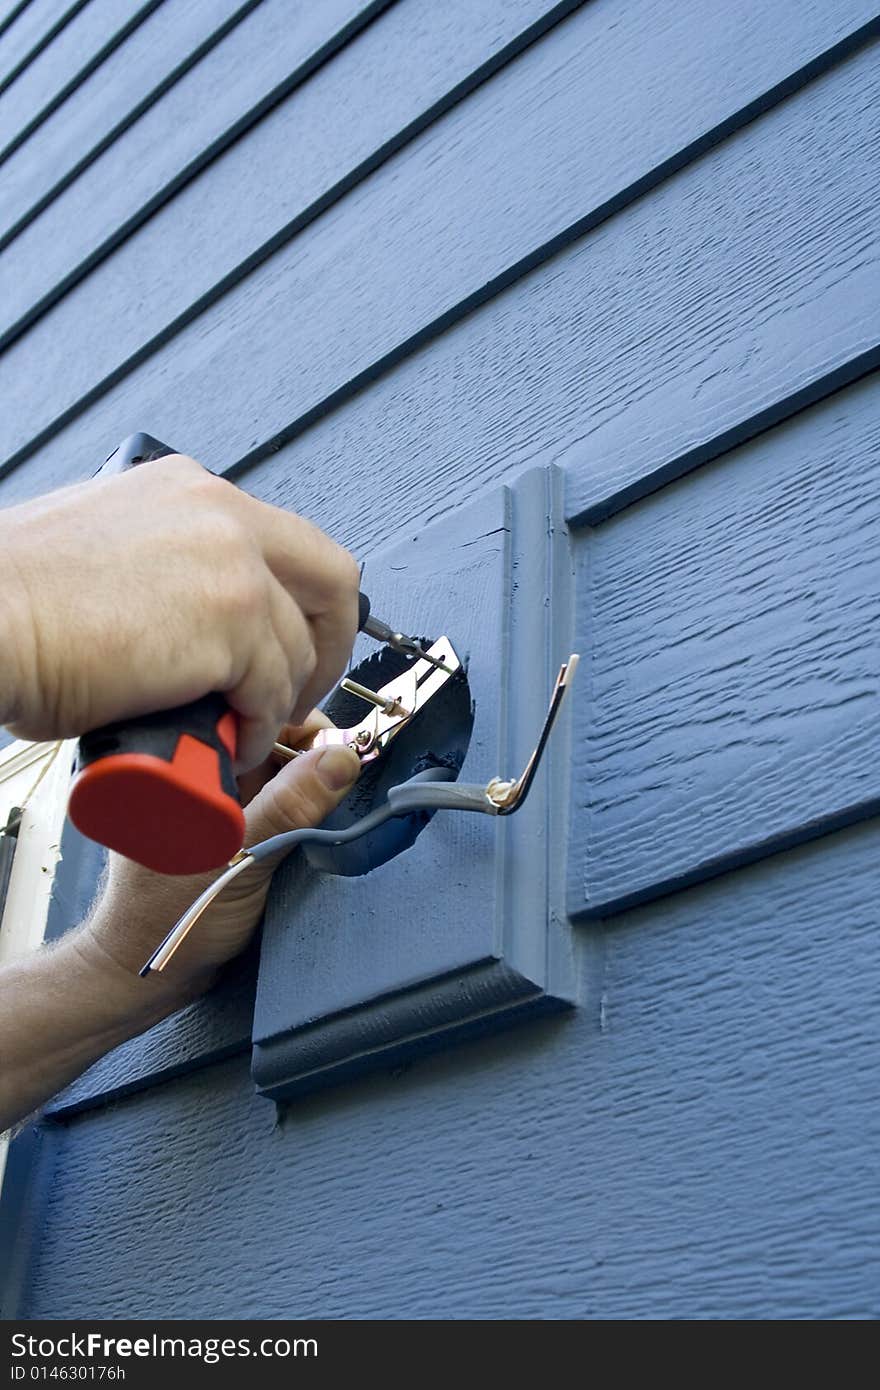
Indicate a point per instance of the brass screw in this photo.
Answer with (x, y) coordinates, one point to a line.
(372, 697)
(284, 752)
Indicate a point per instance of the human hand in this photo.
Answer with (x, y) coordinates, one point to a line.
(139, 592)
(63, 1007)
(137, 907)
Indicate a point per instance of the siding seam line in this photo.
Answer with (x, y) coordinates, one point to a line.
(731, 861)
(58, 1111)
(688, 154)
(805, 397)
(196, 55)
(84, 72)
(280, 92)
(51, 33)
(327, 199)
(13, 15)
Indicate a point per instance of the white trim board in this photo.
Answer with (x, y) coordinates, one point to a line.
(34, 776)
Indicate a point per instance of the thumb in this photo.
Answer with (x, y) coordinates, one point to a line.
(302, 793)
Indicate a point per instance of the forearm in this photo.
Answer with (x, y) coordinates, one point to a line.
(69, 1003)
(63, 1007)
(15, 640)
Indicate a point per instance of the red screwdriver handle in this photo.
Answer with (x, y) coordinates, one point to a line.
(161, 789)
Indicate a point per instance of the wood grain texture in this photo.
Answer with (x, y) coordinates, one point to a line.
(102, 107)
(732, 623)
(35, 27)
(639, 300)
(277, 178)
(687, 313)
(700, 1140)
(461, 931)
(274, 48)
(79, 49)
(214, 1027)
(26, 1177)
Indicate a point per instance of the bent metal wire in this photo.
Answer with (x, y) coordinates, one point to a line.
(423, 792)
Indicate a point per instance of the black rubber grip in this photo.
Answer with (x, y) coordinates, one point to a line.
(157, 735)
(137, 448)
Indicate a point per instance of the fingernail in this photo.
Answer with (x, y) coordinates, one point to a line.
(338, 768)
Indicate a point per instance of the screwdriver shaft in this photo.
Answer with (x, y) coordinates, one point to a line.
(381, 632)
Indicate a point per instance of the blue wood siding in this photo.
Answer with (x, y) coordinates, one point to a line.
(94, 32)
(374, 261)
(699, 1138)
(732, 627)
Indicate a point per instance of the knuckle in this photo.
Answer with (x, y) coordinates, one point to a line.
(284, 698)
(187, 476)
(302, 679)
(339, 574)
(223, 529)
(186, 465)
(306, 663)
(215, 506)
(241, 613)
(276, 679)
(202, 480)
(244, 591)
(345, 579)
(349, 571)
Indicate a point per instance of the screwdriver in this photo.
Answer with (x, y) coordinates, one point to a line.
(161, 788)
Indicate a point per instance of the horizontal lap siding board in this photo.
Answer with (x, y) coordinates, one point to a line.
(731, 625)
(94, 32)
(10, 10)
(216, 1026)
(273, 44)
(699, 1139)
(280, 171)
(366, 267)
(158, 53)
(31, 33)
(755, 269)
